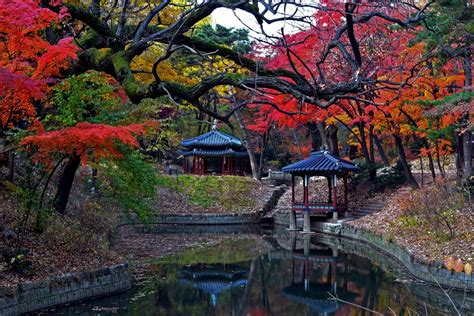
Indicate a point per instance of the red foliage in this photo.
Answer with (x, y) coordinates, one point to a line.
(388, 56)
(28, 62)
(85, 139)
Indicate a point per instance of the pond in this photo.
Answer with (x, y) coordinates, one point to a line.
(274, 273)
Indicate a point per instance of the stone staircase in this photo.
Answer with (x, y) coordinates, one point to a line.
(376, 206)
(368, 209)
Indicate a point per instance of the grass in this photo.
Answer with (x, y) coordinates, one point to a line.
(230, 192)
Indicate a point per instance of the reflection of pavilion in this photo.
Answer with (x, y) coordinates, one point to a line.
(213, 280)
(316, 294)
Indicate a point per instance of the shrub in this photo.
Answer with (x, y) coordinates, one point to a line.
(436, 208)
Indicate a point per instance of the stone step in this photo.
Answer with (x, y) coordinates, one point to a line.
(364, 213)
(377, 204)
(372, 207)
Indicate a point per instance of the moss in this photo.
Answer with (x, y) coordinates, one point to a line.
(230, 192)
(89, 39)
(124, 74)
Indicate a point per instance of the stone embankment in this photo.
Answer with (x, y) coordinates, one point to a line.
(63, 289)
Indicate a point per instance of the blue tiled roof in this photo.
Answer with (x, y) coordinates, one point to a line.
(321, 162)
(213, 153)
(213, 138)
(213, 286)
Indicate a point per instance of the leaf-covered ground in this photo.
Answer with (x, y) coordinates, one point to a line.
(189, 194)
(70, 243)
(417, 235)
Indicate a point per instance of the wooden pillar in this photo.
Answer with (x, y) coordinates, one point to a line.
(185, 165)
(334, 197)
(305, 192)
(222, 165)
(203, 166)
(194, 165)
(306, 218)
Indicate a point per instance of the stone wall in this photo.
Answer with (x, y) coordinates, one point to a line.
(419, 269)
(63, 289)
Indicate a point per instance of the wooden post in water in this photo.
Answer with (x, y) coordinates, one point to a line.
(334, 197)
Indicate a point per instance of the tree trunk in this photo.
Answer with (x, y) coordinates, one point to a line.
(381, 151)
(65, 184)
(403, 159)
(11, 166)
(300, 153)
(438, 160)
(318, 136)
(426, 145)
(431, 166)
(316, 139)
(265, 138)
(321, 127)
(467, 135)
(467, 151)
(372, 148)
(252, 157)
(366, 153)
(459, 156)
(331, 131)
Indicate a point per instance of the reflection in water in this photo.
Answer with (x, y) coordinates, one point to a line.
(213, 280)
(319, 295)
(302, 275)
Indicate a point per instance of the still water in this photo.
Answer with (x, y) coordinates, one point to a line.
(275, 273)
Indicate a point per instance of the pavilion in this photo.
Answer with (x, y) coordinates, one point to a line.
(216, 153)
(320, 163)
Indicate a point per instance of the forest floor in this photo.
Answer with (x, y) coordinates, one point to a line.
(433, 223)
(68, 244)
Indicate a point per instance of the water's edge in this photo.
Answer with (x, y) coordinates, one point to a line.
(64, 289)
(435, 275)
